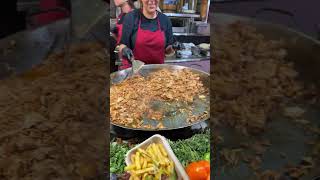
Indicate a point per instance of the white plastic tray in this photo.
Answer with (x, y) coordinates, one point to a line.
(181, 173)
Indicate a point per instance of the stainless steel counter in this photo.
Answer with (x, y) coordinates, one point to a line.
(203, 64)
(182, 15)
(179, 60)
(191, 59)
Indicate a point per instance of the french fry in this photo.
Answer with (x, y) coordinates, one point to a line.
(130, 167)
(131, 178)
(137, 160)
(149, 149)
(149, 165)
(156, 153)
(145, 162)
(158, 175)
(170, 167)
(143, 152)
(142, 171)
(153, 157)
(159, 155)
(136, 178)
(166, 171)
(144, 176)
(132, 158)
(163, 151)
(141, 161)
(151, 161)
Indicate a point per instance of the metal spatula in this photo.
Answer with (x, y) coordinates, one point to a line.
(136, 66)
(84, 15)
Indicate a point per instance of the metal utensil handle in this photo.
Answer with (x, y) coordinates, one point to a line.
(279, 11)
(67, 42)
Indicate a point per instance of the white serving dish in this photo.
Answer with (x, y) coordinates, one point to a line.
(181, 173)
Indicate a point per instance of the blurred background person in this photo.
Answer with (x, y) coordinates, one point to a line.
(126, 6)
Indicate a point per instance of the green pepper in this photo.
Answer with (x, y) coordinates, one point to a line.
(207, 156)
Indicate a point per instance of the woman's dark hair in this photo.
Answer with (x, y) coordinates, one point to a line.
(130, 2)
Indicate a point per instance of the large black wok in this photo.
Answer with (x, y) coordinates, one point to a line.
(175, 124)
(285, 136)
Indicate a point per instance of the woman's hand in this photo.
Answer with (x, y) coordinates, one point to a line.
(127, 53)
(177, 45)
(169, 50)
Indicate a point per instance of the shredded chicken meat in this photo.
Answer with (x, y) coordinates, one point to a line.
(52, 118)
(251, 77)
(131, 98)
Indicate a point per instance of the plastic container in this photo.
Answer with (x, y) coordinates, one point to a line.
(181, 173)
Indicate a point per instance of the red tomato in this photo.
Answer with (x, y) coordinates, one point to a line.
(198, 170)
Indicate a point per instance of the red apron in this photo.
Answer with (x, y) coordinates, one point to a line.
(52, 14)
(149, 47)
(119, 28)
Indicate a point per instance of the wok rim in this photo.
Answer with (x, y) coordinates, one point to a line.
(255, 21)
(157, 130)
(159, 65)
